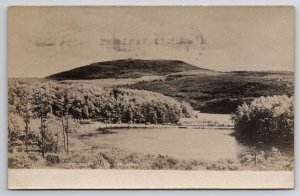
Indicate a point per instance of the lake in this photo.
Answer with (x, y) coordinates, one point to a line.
(187, 144)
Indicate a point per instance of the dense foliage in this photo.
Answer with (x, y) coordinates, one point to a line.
(221, 93)
(110, 105)
(266, 119)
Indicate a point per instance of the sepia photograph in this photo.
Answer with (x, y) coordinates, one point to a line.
(155, 88)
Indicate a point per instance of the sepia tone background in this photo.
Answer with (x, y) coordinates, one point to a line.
(50, 44)
(46, 40)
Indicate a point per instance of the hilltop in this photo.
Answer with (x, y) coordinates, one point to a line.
(126, 68)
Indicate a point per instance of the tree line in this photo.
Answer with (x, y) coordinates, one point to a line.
(52, 103)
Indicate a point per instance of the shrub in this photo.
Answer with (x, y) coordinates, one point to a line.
(165, 162)
(52, 159)
(19, 160)
(266, 119)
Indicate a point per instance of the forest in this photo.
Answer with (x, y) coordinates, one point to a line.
(39, 110)
(112, 105)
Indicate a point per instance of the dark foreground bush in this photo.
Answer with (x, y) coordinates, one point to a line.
(23, 160)
(268, 120)
(52, 159)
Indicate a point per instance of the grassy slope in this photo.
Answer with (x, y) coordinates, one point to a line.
(221, 93)
(127, 68)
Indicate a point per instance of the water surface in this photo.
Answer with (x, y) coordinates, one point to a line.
(188, 144)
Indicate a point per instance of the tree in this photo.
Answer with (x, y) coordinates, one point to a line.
(63, 101)
(23, 108)
(42, 108)
(266, 119)
(187, 110)
(26, 115)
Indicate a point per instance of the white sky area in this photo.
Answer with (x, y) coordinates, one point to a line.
(46, 40)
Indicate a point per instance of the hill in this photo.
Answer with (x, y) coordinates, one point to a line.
(223, 92)
(206, 90)
(125, 68)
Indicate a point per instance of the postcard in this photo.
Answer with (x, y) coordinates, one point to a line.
(151, 97)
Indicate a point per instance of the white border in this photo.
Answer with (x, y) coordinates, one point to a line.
(3, 71)
(150, 179)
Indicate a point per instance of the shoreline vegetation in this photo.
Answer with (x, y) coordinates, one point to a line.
(85, 156)
(102, 126)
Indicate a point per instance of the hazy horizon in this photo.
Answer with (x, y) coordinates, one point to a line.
(47, 40)
(42, 77)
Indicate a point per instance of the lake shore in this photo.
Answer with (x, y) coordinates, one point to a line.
(99, 125)
(89, 152)
(83, 156)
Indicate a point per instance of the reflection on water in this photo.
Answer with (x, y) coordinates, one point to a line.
(196, 144)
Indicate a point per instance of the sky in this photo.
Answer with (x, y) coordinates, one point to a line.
(46, 40)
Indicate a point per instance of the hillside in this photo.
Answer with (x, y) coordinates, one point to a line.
(206, 90)
(125, 68)
(221, 93)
